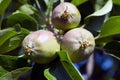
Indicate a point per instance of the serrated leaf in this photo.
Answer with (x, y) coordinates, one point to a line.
(24, 20)
(3, 6)
(15, 74)
(48, 75)
(109, 30)
(78, 2)
(94, 21)
(11, 38)
(12, 62)
(69, 67)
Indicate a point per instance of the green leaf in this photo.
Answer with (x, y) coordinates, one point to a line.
(49, 7)
(110, 29)
(6, 34)
(27, 9)
(94, 21)
(116, 2)
(12, 62)
(15, 74)
(3, 6)
(69, 67)
(11, 38)
(2, 71)
(78, 2)
(104, 10)
(11, 44)
(24, 20)
(48, 75)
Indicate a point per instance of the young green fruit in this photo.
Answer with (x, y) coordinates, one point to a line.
(41, 46)
(79, 43)
(65, 16)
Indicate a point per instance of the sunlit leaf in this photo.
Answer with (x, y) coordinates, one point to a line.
(48, 75)
(78, 2)
(24, 20)
(2, 71)
(95, 20)
(3, 6)
(110, 29)
(27, 9)
(69, 67)
(12, 43)
(15, 74)
(11, 38)
(104, 10)
(116, 2)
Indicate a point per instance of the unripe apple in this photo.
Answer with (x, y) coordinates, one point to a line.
(79, 43)
(41, 46)
(65, 16)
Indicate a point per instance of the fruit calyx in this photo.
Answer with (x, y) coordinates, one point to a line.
(28, 50)
(65, 16)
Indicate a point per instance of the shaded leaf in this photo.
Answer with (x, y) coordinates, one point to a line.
(55, 69)
(94, 24)
(110, 29)
(94, 21)
(12, 62)
(14, 75)
(3, 6)
(113, 47)
(59, 72)
(38, 71)
(116, 57)
(78, 2)
(115, 11)
(24, 20)
(11, 38)
(69, 67)
(48, 75)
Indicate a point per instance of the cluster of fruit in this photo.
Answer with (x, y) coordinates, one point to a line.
(41, 46)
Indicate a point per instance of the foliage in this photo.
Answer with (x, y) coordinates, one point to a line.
(17, 21)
